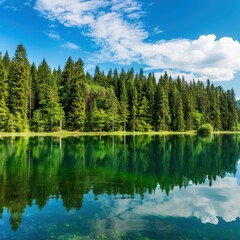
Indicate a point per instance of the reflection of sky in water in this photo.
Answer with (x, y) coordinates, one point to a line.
(201, 201)
(221, 200)
(115, 213)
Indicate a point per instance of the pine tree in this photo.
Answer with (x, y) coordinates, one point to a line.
(109, 79)
(66, 86)
(142, 121)
(100, 78)
(88, 78)
(215, 109)
(124, 114)
(189, 110)
(133, 101)
(115, 83)
(4, 111)
(162, 111)
(203, 103)
(6, 62)
(150, 89)
(177, 114)
(33, 90)
(112, 109)
(58, 76)
(19, 88)
(37, 121)
(224, 110)
(48, 99)
(233, 110)
(76, 120)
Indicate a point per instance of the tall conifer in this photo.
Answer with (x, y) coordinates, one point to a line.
(19, 88)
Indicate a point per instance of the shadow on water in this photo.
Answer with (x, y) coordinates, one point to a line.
(33, 170)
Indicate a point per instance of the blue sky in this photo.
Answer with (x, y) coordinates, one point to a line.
(198, 39)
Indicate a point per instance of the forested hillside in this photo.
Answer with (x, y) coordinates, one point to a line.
(39, 99)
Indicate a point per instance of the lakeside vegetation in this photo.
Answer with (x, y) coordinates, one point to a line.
(39, 99)
(64, 133)
(78, 134)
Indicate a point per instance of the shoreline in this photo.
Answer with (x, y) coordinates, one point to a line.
(79, 134)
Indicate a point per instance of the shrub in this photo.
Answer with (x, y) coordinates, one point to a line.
(205, 129)
(56, 129)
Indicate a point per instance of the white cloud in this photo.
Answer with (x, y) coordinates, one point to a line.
(70, 45)
(53, 35)
(114, 26)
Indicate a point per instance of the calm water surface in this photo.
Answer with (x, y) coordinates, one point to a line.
(175, 187)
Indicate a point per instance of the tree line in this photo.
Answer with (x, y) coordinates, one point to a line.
(40, 99)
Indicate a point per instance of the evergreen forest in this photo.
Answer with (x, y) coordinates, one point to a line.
(41, 99)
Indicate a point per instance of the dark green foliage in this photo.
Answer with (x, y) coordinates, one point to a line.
(88, 78)
(98, 119)
(102, 104)
(19, 78)
(74, 100)
(205, 129)
(133, 97)
(124, 113)
(6, 61)
(33, 105)
(233, 110)
(76, 118)
(143, 117)
(48, 108)
(161, 111)
(150, 88)
(4, 111)
(178, 123)
(66, 84)
(37, 121)
(112, 110)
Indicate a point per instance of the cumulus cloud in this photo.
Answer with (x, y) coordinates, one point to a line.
(115, 26)
(70, 45)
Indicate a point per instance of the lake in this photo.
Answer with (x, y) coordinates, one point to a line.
(116, 187)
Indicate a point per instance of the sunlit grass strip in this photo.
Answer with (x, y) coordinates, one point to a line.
(75, 134)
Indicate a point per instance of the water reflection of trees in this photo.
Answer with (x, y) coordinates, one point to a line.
(35, 169)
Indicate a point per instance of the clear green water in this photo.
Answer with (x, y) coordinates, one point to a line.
(175, 187)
